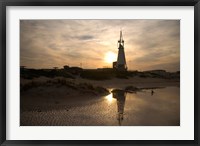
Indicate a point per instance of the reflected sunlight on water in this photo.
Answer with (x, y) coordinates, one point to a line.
(109, 98)
(162, 108)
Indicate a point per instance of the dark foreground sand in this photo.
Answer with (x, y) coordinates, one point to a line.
(63, 105)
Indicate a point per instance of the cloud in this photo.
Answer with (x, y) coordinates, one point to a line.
(85, 37)
(49, 43)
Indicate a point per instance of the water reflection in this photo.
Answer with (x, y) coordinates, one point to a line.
(152, 92)
(109, 98)
(120, 95)
(148, 103)
(141, 109)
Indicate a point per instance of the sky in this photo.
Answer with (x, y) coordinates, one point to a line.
(149, 44)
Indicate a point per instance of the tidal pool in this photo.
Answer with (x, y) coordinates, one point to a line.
(145, 108)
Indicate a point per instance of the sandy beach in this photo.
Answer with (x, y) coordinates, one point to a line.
(116, 83)
(134, 81)
(58, 103)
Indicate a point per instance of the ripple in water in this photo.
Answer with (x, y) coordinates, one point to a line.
(157, 107)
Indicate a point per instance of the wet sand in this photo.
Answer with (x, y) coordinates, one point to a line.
(62, 106)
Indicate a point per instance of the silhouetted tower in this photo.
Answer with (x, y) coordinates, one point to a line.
(121, 60)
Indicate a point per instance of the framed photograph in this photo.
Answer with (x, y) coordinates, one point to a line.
(99, 72)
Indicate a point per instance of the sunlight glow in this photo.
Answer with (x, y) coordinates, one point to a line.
(110, 57)
(109, 98)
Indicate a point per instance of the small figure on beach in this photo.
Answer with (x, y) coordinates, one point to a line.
(152, 92)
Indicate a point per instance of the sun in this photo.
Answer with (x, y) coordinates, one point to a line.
(110, 57)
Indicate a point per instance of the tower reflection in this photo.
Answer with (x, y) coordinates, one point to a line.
(120, 95)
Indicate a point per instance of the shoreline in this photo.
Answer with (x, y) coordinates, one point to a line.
(115, 82)
(59, 104)
(58, 96)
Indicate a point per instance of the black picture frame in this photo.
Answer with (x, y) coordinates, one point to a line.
(5, 3)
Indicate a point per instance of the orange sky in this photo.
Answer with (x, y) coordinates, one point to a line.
(149, 44)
